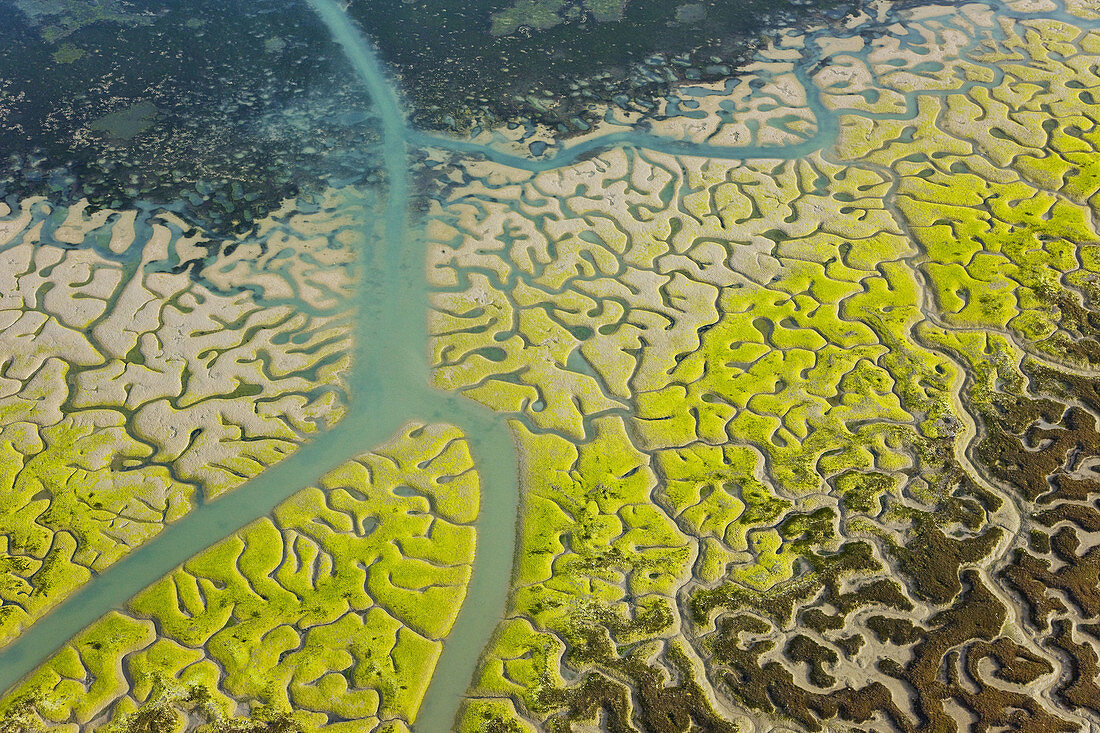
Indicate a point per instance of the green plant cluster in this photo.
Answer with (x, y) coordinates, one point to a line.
(129, 389)
(330, 615)
(794, 354)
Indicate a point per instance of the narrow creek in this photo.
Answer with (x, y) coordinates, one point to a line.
(390, 386)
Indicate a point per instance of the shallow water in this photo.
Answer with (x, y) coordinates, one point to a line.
(389, 386)
(237, 104)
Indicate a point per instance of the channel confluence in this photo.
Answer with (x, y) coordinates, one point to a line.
(389, 385)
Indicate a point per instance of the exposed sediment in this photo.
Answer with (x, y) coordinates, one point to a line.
(134, 389)
(807, 417)
(335, 608)
(857, 381)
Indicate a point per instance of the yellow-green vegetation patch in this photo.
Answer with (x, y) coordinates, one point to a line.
(130, 388)
(595, 553)
(799, 357)
(332, 612)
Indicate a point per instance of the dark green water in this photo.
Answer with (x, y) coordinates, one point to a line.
(221, 110)
(455, 68)
(389, 383)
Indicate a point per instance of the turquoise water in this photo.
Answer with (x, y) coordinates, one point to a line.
(389, 387)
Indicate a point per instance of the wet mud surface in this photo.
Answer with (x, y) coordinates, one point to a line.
(800, 369)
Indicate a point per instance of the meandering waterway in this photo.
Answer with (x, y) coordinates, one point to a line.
(389, 386)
